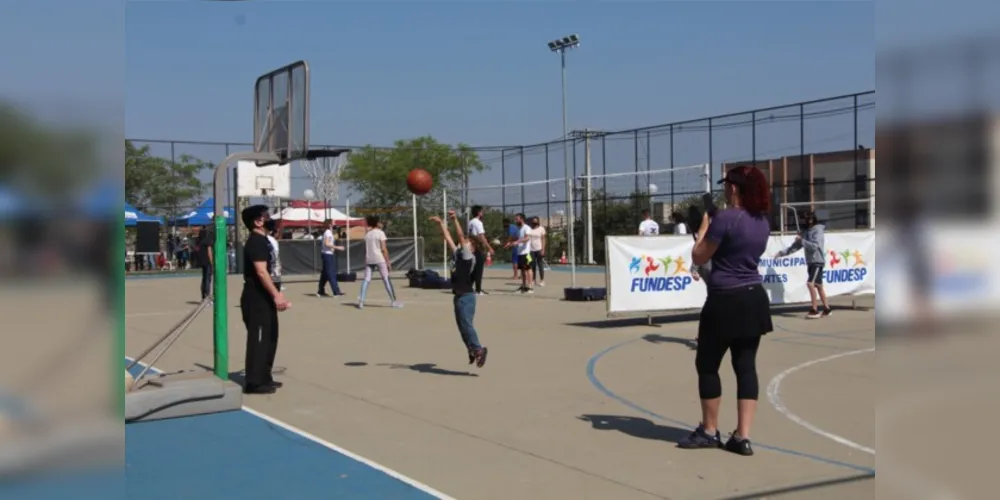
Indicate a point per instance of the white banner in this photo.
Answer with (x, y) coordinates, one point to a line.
(653, 273)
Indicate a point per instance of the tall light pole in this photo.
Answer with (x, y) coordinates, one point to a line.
(561, 45)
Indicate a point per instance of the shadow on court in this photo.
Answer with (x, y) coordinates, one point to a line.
(428, 368)
(636, 427)
(807, 488)
(655, 338)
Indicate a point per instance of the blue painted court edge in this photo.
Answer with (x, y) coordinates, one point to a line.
(239, 455)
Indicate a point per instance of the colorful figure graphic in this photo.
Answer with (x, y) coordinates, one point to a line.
(634, 266)
(859, 259)
(834, 258)
(651, 265)
(680, 267)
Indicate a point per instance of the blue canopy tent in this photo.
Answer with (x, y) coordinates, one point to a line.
(14, 204)
(134, 216)
(202, 216)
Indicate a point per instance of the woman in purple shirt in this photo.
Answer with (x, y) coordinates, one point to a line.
(737, 311)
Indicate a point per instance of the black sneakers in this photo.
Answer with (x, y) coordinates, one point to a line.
(699, 439)
(739, 446)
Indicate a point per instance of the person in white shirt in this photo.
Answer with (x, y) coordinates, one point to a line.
(481, 247)
(537, 243)
(522, 246)
(329, 272)
(272, 229)
(376, 258)
(679, 226)
(648, 226)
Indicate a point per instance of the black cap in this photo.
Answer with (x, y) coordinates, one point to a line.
(734, 176)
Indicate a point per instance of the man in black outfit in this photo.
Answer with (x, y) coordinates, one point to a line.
(206, 241)
(260, 303)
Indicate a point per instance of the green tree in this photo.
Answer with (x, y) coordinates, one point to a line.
(51, 160)
(378, 175)
(160, 186)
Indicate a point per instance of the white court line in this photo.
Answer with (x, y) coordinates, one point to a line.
(774, 396)
(326, 444)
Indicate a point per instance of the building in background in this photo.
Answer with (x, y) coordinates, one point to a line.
(838, 185)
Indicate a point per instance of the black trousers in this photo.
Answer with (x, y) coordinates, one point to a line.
(261, 319)
(477, 271)
(206, 281)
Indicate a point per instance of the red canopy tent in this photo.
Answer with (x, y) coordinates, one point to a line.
(300, 213)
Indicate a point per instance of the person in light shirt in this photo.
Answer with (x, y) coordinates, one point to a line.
(481, 247)
(377, 258)
(648, 226)
(537, 243)
(329, 272)
(679, 226)
(522, 249)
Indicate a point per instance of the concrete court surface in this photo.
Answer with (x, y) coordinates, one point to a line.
(569, 405)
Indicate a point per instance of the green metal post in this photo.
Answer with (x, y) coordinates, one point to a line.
(119, 311)
(220, 319)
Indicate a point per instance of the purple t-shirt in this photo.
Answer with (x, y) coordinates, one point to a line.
(742, 239)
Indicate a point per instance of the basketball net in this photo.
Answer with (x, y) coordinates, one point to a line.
(325, 176)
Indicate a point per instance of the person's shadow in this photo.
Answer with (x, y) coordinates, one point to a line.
(655, 338)
(430, 368)
(636, 427)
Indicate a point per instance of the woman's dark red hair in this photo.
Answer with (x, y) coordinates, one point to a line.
(755, 193)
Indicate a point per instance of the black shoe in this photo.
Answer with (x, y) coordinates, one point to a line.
(699, 439)
(739, 446)
(276, 384)
(260, 389)
(481, 356)
(827, 312)
(472, 355)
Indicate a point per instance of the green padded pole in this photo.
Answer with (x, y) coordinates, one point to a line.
(118, 345)
(220, 319)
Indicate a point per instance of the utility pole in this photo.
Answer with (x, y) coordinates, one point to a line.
(588, 191)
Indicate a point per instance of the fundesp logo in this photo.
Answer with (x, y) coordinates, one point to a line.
(667, 274)
(847, 266)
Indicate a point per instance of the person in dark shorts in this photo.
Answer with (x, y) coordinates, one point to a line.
(737, 310)
(260, 302)
(463, 286)
(812, 242)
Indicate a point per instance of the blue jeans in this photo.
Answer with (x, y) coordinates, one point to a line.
(465, 313)
(329, 274)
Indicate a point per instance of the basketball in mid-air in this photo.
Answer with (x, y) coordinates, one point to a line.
(419, 181)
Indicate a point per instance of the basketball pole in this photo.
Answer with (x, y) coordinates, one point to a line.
(220, 288)
(416, 244)
(119, 307)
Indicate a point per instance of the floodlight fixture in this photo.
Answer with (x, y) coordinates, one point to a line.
(566, 42)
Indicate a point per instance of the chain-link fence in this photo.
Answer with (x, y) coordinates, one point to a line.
(816, 151)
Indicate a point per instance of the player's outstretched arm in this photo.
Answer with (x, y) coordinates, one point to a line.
(458, 227)
(444, 232)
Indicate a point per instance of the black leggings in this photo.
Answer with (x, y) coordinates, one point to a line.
(743, 351)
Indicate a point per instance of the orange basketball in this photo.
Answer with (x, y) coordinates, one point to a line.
(419, 181)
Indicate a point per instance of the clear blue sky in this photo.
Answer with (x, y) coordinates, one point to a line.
(481, 73)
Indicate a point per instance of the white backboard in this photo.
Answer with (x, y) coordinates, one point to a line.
(271, 181)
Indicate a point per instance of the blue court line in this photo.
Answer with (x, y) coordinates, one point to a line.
(238, 455)
(596, 382)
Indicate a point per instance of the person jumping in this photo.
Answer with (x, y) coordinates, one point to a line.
(462, 285)
(376, 258)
